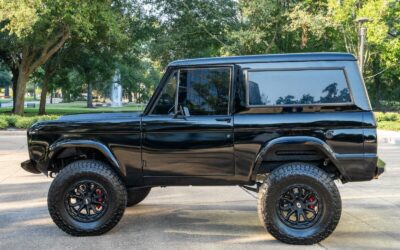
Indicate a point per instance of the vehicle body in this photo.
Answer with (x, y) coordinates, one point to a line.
(227, 121)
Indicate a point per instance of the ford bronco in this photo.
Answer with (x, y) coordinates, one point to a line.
(285, 126)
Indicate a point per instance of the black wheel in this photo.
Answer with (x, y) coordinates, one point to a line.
(299, 204)
(86, 198)
(135, 196)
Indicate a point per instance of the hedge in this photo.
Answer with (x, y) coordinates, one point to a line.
(22, 122)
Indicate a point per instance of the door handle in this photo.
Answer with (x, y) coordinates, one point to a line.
(225, 119)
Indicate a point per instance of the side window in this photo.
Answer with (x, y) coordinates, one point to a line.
(204, 91)
(166, 102)
(274, 88)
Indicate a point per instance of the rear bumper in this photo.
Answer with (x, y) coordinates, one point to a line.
(360, 167)
(380, 168)
(30, 166)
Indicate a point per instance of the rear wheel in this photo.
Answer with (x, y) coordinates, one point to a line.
(86, 198)
(299, 204)
(136, 196)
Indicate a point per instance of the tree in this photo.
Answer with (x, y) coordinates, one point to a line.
(382, 64)
(280, 27)
(50, 68)
(191, 28)
(35, 30)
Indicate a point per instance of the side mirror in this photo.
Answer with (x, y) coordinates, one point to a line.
(182, 111)
(185, 111)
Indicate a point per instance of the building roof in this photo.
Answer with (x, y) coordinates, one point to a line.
(295, 57)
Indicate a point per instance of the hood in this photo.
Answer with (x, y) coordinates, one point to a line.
(99, 116)
(97, 123)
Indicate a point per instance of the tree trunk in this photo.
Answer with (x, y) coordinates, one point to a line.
(43, 96)
(20, 92)
(129, 96)
(89, 96)
(7, 91)
(14, 81)
(51, 97)
(377, 83)
(34, 91)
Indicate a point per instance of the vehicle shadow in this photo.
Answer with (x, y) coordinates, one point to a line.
(169, 220)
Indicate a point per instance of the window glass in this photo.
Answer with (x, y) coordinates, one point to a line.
(297, 87)
(204, 91)
(166, 102)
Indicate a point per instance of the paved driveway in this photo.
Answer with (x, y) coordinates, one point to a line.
(192, 217)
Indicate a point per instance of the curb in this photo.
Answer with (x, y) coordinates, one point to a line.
(13, 132)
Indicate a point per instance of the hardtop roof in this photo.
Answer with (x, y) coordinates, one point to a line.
(294, 57)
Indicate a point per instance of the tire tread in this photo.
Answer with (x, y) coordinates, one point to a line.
(298, 169)
(75, 169)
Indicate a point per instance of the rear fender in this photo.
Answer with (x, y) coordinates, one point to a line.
(295, 140)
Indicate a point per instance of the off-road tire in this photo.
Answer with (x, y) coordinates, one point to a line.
(302, 174)
(135, 196)
(87, 170)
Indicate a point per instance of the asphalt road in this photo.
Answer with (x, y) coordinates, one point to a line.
(192, 217)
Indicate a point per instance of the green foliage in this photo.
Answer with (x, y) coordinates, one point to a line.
(5, 78)
(379, 116)
(388, 125)
(191, 28)
(388, 121)
(25, 122)
(34, 30)
(21, 121)
(3, 123)
(11, 120)
(139, 37)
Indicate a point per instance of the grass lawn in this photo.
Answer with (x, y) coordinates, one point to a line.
(76, 108)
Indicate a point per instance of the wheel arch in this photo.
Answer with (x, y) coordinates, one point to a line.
(298, 142)
(68, 148)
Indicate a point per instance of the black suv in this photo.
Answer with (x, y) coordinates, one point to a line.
(285, 126)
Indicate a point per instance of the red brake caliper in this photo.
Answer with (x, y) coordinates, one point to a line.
(311, 199)
(101, 199)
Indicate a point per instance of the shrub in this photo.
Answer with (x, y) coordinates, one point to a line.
(387, 117)
(389, 125)
(25, 122)
(47, 118)
(3, 123)
(11, 120)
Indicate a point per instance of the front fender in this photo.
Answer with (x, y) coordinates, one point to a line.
(295, 140)
(57, 146)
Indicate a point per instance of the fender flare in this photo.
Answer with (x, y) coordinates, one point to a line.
(57, 146)
(296, 140)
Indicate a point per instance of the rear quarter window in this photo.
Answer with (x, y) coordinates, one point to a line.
(297, 87)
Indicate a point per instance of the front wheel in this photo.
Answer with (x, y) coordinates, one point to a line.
(299, 204)
(86, 198)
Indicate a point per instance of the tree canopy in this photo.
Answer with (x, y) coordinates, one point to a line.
(91, 39)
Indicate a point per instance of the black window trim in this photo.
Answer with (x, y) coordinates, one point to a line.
(164, 83)
(178, 70)
(246, 72)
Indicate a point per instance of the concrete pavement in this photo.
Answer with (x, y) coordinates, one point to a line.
(192, 217)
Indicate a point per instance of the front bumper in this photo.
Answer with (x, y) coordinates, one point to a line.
(380, 168)
(30, 166)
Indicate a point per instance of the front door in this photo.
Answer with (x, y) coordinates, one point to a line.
(189, 131)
